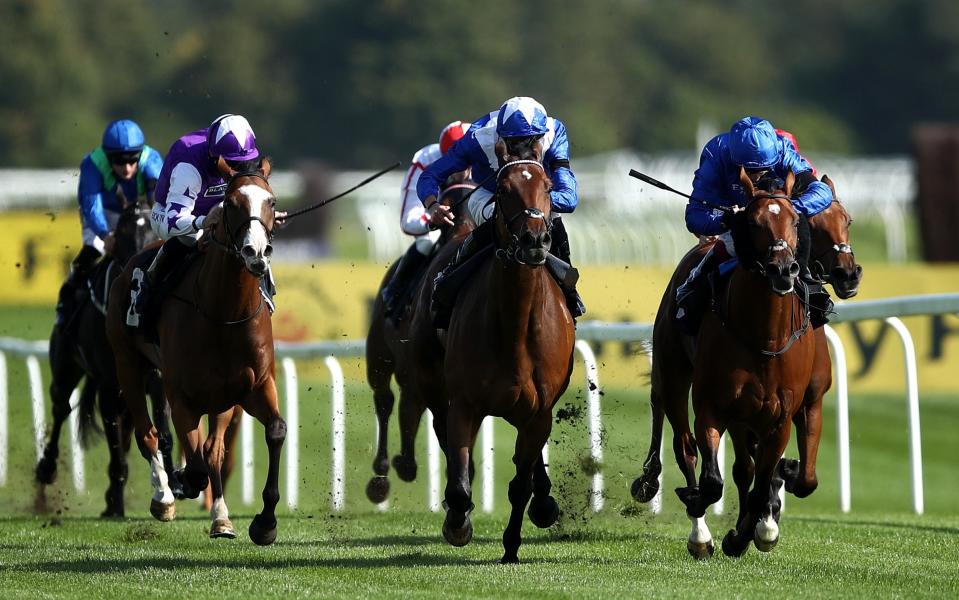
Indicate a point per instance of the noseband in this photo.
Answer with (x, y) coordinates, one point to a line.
(511, 252)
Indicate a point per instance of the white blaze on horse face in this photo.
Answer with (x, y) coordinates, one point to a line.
(774, 209)
(527, 175)
(256, 235)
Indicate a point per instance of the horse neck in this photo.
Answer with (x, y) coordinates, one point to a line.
(757, 315)
(226, 289)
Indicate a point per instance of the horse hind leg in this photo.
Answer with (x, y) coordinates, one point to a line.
(65, 377)
(214, 450)
(378, 488)
(461, 431)
(411, 414)
(646, 486)
(117, 469)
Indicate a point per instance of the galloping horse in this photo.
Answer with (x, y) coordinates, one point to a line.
(833, 262)
(749, 368)
(508, 352)
(215, 351)
(387, 357)
(80, 347)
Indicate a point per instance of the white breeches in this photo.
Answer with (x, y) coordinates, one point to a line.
(158, 222)
(92, 239)
(478, 207)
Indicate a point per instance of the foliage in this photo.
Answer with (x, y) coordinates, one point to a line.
(359, 85)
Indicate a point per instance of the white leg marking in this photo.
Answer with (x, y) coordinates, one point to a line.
(767, 530)
(700, 533)
(219, 509)
(161, 484)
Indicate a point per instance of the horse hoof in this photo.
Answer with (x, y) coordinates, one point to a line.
(732, 547)
(458, 537)
(262, 534)
(543, 512)
(113, 513)
(644, 490)
(46, 471)
(162, 511)
(378, 489)
(222, 528)
(701, 551)
(766, 535)
(509, 559)
(405, 468)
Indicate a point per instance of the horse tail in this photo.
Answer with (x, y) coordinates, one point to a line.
(87, 416)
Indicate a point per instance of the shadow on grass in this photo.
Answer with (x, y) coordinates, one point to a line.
(876, 523)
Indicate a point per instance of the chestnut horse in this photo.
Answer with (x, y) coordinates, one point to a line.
(387, 357)
(215, 351)
(833, 262)
(508, 352)
(80, 348)
(749, 371)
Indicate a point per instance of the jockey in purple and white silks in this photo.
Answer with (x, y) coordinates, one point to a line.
(122, 168)
(414, 221)
(519, 119)
(190, 185)
(753, 144)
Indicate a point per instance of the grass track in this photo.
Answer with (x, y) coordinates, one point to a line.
(376, 555)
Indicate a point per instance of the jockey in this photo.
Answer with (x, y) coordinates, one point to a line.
(753, 144)
(190, 185)
(413, 219)
(519, 118)
(120, 170)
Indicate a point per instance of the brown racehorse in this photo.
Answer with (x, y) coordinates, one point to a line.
(832, 261)
(387, 357)
(751, 368)
(509, 353)
(215, 351)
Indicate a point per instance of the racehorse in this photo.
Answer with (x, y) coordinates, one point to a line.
(387, 357)
(754, 381)
(833, 262)
(80, 348)
(215, 350)
(508, 351)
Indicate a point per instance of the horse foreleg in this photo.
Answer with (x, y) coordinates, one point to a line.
(646, 486)
(411, 414)
(378, 487)
(529, 450)
(743, 467)
(229, 444)
(65, 375)
(161, 419)
(117, 469)
(461, 428)
(543, 510)
(214, 450)
(264, 408)
(803, 481)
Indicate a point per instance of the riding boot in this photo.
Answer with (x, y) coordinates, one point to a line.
(692, 296)
(79, 270)
(563, 270)
(444, 289)
(144, 283)
(820, 304)
(396, 290)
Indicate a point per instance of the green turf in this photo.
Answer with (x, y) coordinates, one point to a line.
(878, 550)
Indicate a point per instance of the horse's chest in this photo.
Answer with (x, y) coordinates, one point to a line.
(763, 401)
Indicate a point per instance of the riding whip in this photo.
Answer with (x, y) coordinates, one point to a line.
(300, 211)
(663, 186)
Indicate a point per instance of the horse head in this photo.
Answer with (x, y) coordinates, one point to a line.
(832, 259)
(522, 202)
(768, 243)
(133, 231)
(248, 216)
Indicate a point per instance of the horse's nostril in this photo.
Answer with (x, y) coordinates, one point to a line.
(858, 272)
(248, 251)
(546, 240)
(793, 269)
(269, 251)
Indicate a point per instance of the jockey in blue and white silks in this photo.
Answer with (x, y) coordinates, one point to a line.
(189, 186)
(518, 119)
(413, 220)
(753, 144)
(122, 169)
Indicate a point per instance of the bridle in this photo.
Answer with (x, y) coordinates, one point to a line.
(511, 251)
(234, 235)
(839, 249)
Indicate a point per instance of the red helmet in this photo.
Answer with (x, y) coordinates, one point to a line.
(451, 133)
(789, 138)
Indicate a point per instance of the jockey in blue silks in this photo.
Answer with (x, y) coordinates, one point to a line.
(518, 120)
(122, 169)
(753, 144)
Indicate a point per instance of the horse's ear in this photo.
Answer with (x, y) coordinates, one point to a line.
(832, 186)
(747, 183)
(790, 182)
(538, 149)
(501, 152)
(224, 168)
(265, 167)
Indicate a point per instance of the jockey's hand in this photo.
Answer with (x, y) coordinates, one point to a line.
(279, 218)
(438, 214)
(109, 243)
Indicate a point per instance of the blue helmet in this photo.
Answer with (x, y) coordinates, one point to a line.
(753, 143)
(123, 136)
(521, 117)
(231, 137)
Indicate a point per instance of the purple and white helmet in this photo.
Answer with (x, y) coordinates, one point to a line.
(231, 137)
